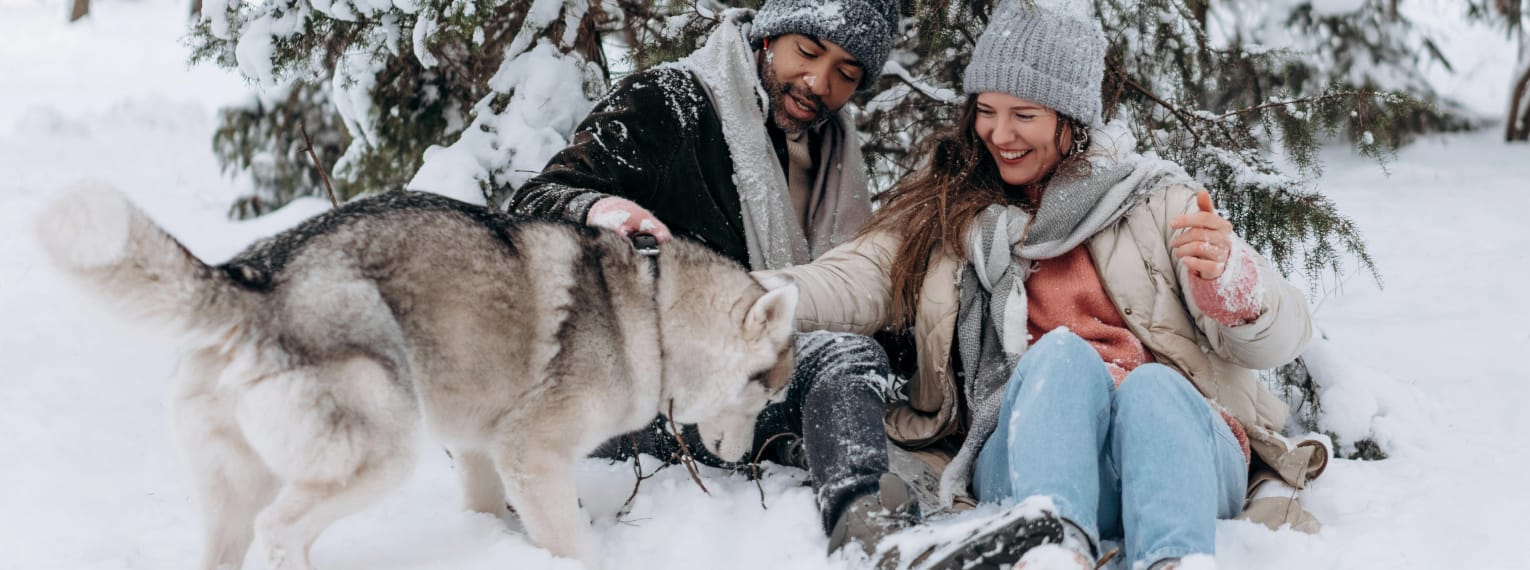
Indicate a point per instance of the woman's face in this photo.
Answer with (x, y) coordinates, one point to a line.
(1021, 136)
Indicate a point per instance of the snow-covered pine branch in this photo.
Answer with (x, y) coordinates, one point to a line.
(455, 96)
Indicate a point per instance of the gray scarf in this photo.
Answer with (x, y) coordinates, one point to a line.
(726, 68)
(991, 320)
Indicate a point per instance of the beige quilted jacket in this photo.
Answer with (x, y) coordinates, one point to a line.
(848, 289)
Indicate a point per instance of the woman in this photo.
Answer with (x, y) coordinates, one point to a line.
(1084, 322)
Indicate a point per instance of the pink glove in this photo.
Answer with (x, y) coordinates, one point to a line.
(626, 218)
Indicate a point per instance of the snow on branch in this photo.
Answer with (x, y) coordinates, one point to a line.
(486, 89)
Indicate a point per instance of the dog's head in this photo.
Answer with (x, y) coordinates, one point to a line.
(736, 360)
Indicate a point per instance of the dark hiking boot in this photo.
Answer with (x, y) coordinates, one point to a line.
(792, 453)
(874, 516)
(998, 544)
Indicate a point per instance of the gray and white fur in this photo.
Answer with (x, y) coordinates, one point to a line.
(316, 357)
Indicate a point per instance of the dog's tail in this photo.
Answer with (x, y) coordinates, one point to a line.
(94, 234)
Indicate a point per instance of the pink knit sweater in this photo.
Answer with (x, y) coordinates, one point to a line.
(1066, 291)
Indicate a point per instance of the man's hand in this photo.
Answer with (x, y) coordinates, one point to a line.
(626, 218)
(1206, 243)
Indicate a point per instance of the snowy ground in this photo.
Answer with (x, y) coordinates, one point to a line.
(89, 478)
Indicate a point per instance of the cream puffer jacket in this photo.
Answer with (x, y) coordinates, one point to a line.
(849, 289)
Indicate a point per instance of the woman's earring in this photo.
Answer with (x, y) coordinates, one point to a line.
(1080, 140)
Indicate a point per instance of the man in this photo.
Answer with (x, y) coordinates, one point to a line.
(690, 149)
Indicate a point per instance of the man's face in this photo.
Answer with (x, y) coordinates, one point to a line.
(807, 79)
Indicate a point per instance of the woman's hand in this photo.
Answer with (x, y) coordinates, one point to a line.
(1206, 243)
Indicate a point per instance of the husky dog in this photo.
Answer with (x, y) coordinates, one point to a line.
(315, 356)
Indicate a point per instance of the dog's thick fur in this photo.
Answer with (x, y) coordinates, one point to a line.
(315, 357)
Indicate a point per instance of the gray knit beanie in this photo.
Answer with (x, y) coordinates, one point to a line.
(1042, 55)
(864, 28)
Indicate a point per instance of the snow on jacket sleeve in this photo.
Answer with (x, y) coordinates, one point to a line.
(1232, 298)
(847, 289)
(1283, 325)
(621, 149)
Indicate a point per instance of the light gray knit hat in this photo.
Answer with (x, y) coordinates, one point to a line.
(864, 28)
(1041, 55)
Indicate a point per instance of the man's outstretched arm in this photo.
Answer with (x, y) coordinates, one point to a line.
(614, 163)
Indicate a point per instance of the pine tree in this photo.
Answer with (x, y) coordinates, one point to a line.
(379, 85)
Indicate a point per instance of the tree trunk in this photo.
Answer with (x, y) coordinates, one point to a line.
(1518, 123)
(80, 10)
(196, 9)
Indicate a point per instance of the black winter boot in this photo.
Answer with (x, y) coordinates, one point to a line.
(998, 544)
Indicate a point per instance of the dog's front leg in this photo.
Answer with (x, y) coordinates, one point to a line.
(541, 486)
(482, 491)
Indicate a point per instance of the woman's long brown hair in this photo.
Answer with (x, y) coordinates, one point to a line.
(935, 203)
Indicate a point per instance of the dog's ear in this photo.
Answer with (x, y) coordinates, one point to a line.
(773, 314)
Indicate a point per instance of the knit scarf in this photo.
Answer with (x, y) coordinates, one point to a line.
(1003, 245)
(726, 68)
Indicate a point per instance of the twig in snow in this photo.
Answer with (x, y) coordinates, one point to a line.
(755, 465)
(637, 469)
(316, 164)
(1292, 503)
(685, 451)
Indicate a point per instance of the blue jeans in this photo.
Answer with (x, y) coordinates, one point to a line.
(1150, 461)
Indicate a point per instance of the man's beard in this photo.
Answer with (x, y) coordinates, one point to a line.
(778, 93)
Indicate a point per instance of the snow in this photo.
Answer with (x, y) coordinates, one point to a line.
(826, 14)
(423, 28)
(612, 219)
(1054, 557)
(1239, 282)
(1483, 58)
(541, 13)
(1197, 562)
(351, 90)
(1326, 7)
(1431, 365)
(536, 124)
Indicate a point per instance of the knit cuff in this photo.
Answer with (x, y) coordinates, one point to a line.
(1239, 433)
(578, 208)
(1232, 298)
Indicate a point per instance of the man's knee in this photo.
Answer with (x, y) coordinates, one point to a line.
(820, 353)
(840, 361)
